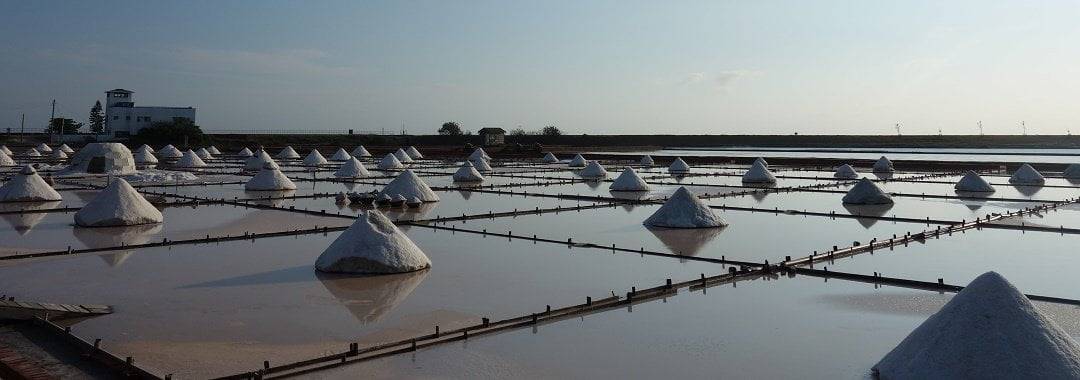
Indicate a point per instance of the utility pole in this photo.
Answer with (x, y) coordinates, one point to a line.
(52, 115)
(1023, 127)
(980, 128)
(898, 129)
(22, 125)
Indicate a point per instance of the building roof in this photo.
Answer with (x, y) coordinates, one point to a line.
(121, 90)
(483, 131)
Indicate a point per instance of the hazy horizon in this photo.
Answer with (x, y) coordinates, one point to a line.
(598, 67)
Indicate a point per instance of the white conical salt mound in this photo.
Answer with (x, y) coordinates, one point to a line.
(883, 165)
(758, 173)
(629, 181)
(190, 160)
(58, 154)
(578, 161)
(390, 162)
(5, 159)
(973, 182)
(479, 153)
(593, 170)
(482, 165)
(647, 161)
(117, 205)
(761, 161)
(679, 166)
(1027, 175)
(467, 173)
(549, 158)
(43, 148)
(147, 147)
(270, 178)
(1072, 171)
(168, 152)
(213, 150)
(989, 330)
(845, 171)
(144, 156)
(684, 210)
(314, 158)
(866, 192)
(245, 153)
(360, 151)
(6, 151)
(66, 149)
(204, 153)
(413, 153)
(288, 154)
(257, 161)
(402, 156)
(32, 153)
(351, 169)
(27, 186)
(112, 158)
(372, 245)
(340, 155)
(409, 185)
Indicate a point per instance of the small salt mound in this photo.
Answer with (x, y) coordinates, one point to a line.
(147, 147)
(408, 185)
(32, 153)
(593, 170)
(66, 149)
(684, 210)
(412, 152)
(351, 169)
(340, 155)
(679, 166)
(402, 156)
(647, 160)
(112, 158)
(169, 152)
(629, 181)
(42, 148)
(144, 157)
(257, 161)
(270, 178)
(467, 173)
(577, 162)
(1027, 175)
(314, 158)
(6, 151)
(883, 165)
(372, 245)
(761, 161)
(987, 331)
(213, 150)
(1072, 172)
(360, 152)
(190, 160)
(245, 153)
(974, 183)
(58, 154)
(482, 165)
(203, 153)
(758, 173)
(6, 160)
(866, 192)
(479, 153)
(288, 154)
(117, 205)
(549, 158)
(845, 171)
(390, 162)
(27, 186)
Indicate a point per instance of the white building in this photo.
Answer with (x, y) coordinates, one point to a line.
(123, 118)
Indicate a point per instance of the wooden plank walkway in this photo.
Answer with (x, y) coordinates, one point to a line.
(27, 310)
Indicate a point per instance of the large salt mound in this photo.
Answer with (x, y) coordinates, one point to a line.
(482, 165)
(6, 160)
(257, 161)
(147, 147)
(43, 148)
(360, 151)
(883, 165)
(204, 153)
(66, 149)
(408, 185)
(213, 150)
(549, 158)
(4, 148)
(288, 154)
(987, 331)
(112, 158)
(117, 205)
(144, 157)
(467, 173)
(270, 178)
(866, 192)
(340, 155)
(169, 152)
(372, 245)
(684, 210)
(390, 162)
(1072, 171)
(245, 153)
(758, 173)
(974, 183)
(679, 166)
(1027, 175)
(479, 153)
(402, 156)
(27, 186)
(629, 181)
(845, 171)
(578, 161)
(593, 170)
(351, 169)
(32, 153)
(190, 160)
(413, 153)
(314, 158)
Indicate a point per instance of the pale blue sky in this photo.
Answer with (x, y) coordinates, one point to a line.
(635, 67)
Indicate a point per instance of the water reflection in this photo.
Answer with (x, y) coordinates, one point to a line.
(24, 222)
(868, 210)
(369, 298)
(275, 197)
(630, 195)
(884, 175)
(410, 213)
(1028, 191)
(685, 241)
(594, 184)
(102, 237)
(465, 194)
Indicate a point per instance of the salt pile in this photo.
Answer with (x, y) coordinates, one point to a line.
(390, 162)
(257, 161)
(360, 152)
(409, 185)
(679, 166)
(402, 156)
(213, 150)
(413, 153)
(1072, 172)
(111, 158)
(190, 160)
(66, 149)
(42, 148)
(4, 148)
(758, 173)
(340, 155)
(479, 153)
(6, 160)
(144, 157)
(372, 245)
(883, 165)
(32, 153)
(1027, 175)
(866, 192)
(314, 158)
(351, 169)
(577, 162)
(117, 205)
(987, 331)
(482, 165)
(245, 153)
(684, 210)
(549, 158)
(629, 181)
(169, 152)
(761, 161)
(973, 182)
(270, 178)
(27, 186)
(846, 171)
(147, 147)
(288, 154)
(467, 173)
(58, 154)
(593, 170)
(203, 153)
(647, 160)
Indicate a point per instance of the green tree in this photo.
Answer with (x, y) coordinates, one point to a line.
(65, 126)
(450, 128)
(551, 130)
(518, 132)
(171, 132)
(97, 119)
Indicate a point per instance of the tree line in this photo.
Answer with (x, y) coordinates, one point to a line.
(452, 128)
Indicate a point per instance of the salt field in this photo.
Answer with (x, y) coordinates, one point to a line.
(517, 265)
